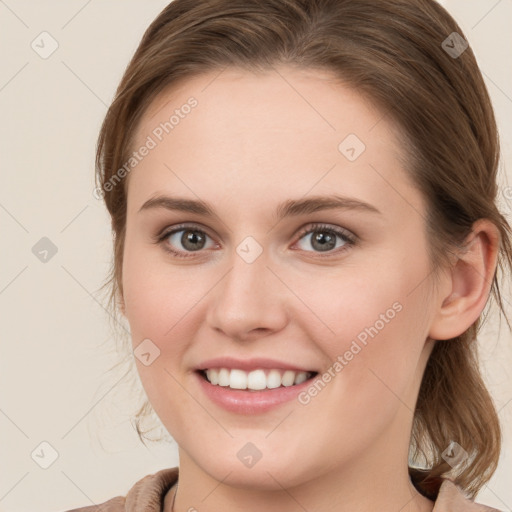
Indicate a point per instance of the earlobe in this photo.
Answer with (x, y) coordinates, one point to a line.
(470, 281)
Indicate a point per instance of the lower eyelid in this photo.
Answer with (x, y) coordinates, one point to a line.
(337, 251)
(164, 237)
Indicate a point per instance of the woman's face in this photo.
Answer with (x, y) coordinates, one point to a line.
(272, 269)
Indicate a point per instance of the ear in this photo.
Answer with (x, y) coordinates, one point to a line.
(469, 282)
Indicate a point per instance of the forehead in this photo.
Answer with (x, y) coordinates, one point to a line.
(236, 133)
(284, 99)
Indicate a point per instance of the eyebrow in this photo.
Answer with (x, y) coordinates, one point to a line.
(290, 208)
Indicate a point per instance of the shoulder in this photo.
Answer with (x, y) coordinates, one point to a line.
(146, 494)
(452, 499)
(116, 504)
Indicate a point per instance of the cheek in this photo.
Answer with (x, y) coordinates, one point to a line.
(159, 304)
(357, 302)
(158, 296)
(372, 324)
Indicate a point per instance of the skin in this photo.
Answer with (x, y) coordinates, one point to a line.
(253, 142)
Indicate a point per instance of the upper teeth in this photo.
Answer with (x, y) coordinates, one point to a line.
(256, 379)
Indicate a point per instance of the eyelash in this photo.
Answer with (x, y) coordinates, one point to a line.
(349, 239)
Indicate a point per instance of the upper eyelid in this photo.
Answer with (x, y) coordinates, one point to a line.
(311, 226)
(169, 230)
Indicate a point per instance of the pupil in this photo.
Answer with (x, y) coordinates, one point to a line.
(326, 241)
(190, 239)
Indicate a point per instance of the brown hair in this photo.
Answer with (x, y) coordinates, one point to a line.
(392, 52)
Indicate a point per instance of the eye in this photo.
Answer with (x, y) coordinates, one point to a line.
(183, 240)
(325, 238)
(190, 238)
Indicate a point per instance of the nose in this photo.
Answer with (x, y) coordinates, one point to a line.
(249, 302)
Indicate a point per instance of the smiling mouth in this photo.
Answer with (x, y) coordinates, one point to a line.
(255, 380)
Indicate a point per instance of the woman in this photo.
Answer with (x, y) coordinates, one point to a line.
(302, 195)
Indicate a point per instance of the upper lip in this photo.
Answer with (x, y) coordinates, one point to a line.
(250, 364)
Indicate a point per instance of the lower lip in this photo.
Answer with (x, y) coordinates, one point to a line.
(250, 402)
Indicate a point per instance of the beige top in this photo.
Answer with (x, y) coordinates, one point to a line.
(148, 495)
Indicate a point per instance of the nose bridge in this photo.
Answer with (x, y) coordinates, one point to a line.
(247, 297)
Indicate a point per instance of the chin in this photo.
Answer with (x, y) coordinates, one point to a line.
(231, 464)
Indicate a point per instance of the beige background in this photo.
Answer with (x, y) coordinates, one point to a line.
(56, 342)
